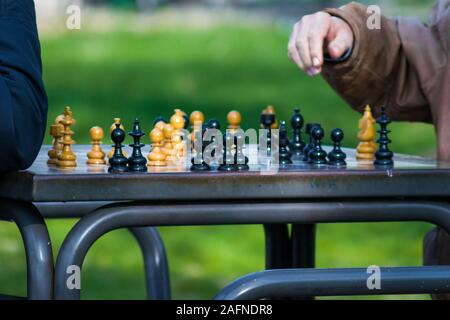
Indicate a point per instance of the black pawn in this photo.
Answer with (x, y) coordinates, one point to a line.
(297, 144)
(198, 163)
(240, 160)
(227, 153)
(384, 156)
(158, 119)
(317, 155)
(266, 121)
(186, 121)
(137, 162)
(337, 157)
(213, 124)
(284, 154)
(118, 163)
(310, 144)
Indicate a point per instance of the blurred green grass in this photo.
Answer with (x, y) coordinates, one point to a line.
(145, 74)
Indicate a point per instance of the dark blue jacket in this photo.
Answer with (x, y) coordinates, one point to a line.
(23, 101)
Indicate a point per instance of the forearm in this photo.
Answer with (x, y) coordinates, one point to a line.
(378, 71)
(24, 102)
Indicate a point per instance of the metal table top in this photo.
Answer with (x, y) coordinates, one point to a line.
(410, 177)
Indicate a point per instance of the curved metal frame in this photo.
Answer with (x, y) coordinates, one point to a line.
(299, 283)
(38, 248)
(105, 219)
(148, 238)
(155, 262)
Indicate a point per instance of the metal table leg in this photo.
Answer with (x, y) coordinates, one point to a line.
(93, 226)
(278, 246)
(37, 245)
(155, 262)
(303, 239)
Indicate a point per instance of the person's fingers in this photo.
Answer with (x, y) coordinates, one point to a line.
(341, 40)
(294, 56)
(292, 49)
(302, 45)
(316, 37)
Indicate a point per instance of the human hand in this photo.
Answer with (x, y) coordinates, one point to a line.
(315, 34)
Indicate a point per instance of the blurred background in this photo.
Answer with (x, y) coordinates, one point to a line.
(143, 58)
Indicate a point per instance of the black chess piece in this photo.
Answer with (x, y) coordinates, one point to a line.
(317, 155)
(310, 144)
(383, 156)
(240, 160)
(213, 124)
(284, 153)
(137, 162)
(198, 163)
(227, 153)
(158, 119)
(297, 144)
(118, 162)
(186, 121)
(336, 157)
(266, 121)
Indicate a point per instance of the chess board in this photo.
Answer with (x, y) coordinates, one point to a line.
(257, 163)
(410, 176)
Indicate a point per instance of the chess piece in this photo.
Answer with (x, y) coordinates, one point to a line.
(56, 132)
(366, 148)
(96, 156)
(317, 155)
(178, 117)
(113, 126)
(336, 156)
(118, 162)
(168, 148)
(267, 120)
(227, 153)
(383, 156)
(284, 154)
(156, 157)
(213, 124)
(271, 110)
(240, 160)
(186, 121)
(137, 162)
(196, 119)
(177, 122)
(234, 121)
(198, 162)
(297, 144)
(159, 119)
(67, 159)
(160, 125)
(310, 144)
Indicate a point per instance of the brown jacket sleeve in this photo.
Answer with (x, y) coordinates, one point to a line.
(403, 65)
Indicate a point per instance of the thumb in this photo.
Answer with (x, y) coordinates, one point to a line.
(341, 43)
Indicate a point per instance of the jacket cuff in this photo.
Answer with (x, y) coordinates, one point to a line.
(354, 19)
